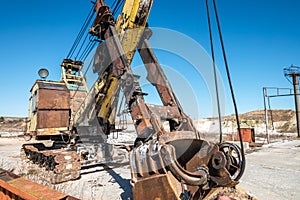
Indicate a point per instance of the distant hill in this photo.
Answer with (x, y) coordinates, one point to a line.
(282, 120)
(12, 124)
(259, 115)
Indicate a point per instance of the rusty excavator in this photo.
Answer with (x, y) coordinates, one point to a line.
(166, 162)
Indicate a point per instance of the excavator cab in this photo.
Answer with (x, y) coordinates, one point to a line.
(53, 104)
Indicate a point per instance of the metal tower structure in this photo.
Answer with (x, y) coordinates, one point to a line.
(294, 72)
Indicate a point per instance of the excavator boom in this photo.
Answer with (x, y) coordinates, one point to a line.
(180, 160)
(173, 162)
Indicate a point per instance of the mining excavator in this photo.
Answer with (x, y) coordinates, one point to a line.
(169, 159)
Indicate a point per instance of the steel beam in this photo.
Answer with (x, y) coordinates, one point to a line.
(297, 104)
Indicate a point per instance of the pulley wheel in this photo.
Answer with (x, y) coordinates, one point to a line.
(235, 162)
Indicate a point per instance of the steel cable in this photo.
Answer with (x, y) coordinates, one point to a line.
(230, 83)
(89, 51)
(81, 32)
(215, 70)
(87, 48)
(115, 10)
(82, 44)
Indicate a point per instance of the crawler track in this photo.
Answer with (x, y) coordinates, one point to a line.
(56, 164)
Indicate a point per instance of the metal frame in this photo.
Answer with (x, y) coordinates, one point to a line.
(277, 94)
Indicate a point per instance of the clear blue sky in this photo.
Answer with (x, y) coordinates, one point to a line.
(261, 38)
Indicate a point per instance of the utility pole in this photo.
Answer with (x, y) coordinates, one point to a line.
(266, 115)
(296, 93)
(294, 72)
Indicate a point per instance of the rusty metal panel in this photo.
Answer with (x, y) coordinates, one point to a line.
(13, 187)
(53, 99)
(51, 85)
(53, 118)
(155, 187)
(36, 190)
(9, 192)
(248, 135)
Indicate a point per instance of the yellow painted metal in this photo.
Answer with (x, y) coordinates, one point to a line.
(109, 97)
(90, 98)
(130, 31)
(73, 81)
(32, 116)
(130, 27)
(51, 131)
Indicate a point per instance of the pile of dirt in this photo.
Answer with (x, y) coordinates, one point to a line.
(281, 121)
(259, 115)
(12, 124)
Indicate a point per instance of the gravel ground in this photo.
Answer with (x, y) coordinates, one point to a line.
(111, 181)
(272, 172)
